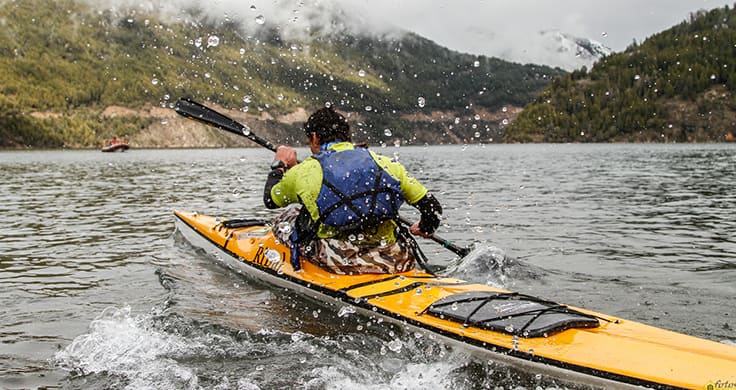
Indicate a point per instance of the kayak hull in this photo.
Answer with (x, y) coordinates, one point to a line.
(617, 354)
(119, 147)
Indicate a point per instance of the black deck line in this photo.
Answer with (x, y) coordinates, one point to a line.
(338, 294)
(408, 287)
(368, 283)
(392, 277)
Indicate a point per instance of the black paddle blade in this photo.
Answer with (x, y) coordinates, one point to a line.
(193, 110)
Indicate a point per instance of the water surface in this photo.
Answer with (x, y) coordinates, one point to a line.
(99, 291)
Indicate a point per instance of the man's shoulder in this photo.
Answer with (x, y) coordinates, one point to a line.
(309, 166)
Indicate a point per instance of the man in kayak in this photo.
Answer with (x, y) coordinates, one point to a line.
(346, 201)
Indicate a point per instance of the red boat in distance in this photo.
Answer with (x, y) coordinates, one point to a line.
(115, 145)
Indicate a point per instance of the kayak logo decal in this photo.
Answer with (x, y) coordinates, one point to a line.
(269, 258)
(719, 384)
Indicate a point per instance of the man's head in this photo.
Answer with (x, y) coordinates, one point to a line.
(328, 125)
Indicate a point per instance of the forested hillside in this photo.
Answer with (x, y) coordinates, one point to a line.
(677, 86)
(72, 75)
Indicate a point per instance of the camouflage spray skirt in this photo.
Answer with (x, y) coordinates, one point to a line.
(345, 257)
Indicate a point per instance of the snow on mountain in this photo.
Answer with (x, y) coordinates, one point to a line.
(569, 52)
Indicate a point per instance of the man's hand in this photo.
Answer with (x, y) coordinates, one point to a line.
(414, 229)
(287, 154)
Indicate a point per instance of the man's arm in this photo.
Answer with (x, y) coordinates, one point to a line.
(285, 158)
(274, 177)
(431, 211)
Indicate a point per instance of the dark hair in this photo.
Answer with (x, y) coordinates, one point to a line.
(329, 126)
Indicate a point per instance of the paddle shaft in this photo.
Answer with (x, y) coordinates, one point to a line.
(193, 110)
(458, 250)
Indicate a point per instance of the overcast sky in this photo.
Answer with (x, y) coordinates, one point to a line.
(508, 29)
(459, 24)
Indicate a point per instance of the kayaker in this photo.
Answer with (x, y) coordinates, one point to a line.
(345, 201)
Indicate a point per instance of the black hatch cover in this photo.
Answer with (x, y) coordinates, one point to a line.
(511, 313)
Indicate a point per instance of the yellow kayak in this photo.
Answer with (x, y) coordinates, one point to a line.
(572, 344)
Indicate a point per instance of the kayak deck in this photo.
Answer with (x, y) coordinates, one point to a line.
(614, 352)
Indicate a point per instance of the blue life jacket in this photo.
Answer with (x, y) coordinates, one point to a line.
(356, 193)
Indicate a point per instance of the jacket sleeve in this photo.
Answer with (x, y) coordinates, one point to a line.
(274, 177)
(431, 211)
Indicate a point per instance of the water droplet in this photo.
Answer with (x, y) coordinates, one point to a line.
(361, 237)
(387, 132)
(260, 19)
(297, 336)
(213, 40)
(421, 102)
(198, 42)
(368, 108)
(154, 81)
(252, 7)
(457, 121)
(351, 237)
(247, 98)
(476, 117)
(246, 131)
(505, 121)
(383, 242)
(361, 73)
(454, 306)
(395, 345)
(477, 134)
(272, 255)
(345, 311)
(418, 291)
(242, 51)
(476, 64)
(504, 109)
(637, 77)
(280, 96)
(604, 34)
(509, 328)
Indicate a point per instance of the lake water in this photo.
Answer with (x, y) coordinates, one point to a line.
(99, 291)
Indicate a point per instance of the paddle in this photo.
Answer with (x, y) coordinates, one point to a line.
(458, 250)
(193, 110)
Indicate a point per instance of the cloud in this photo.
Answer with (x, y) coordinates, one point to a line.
(293, 19)
(508, 29)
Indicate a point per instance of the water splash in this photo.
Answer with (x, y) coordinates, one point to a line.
(127, 346)
(491, 266)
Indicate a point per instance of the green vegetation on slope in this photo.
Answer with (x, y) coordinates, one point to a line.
(62, 63)
(677, 86)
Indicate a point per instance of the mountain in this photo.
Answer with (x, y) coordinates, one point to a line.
(73, 73)
(569, 52)
(677, 86)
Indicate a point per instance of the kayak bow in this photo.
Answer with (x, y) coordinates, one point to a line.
(569, 343)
